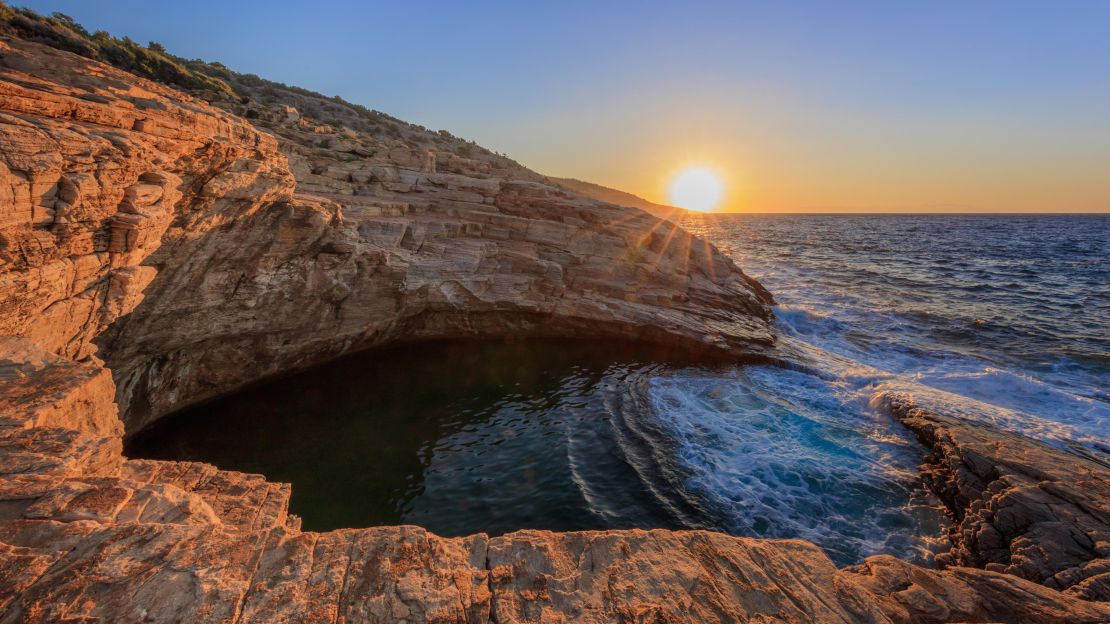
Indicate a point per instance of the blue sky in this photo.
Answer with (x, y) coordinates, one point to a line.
(807, 106)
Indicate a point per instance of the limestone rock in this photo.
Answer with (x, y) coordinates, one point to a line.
(907, 593)
(697, 576)
(96, 165)
(56, 416)
(384, 574)
(45, 390)
(661, 576)
(132, 201)
(1020, 506)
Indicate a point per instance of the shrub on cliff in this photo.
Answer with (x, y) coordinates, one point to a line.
(60, 31)
(215, 82)
(133, 57)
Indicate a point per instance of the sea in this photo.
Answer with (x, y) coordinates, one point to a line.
(1003, 319)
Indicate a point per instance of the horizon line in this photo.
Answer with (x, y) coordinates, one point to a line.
(882, 213)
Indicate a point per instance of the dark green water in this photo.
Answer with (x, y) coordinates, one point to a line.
(1005, 315)
(458, 437)
(467, 437)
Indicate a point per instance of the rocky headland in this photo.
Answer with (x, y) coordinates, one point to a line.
(159, 248)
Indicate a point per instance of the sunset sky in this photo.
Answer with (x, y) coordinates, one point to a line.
(819, 106)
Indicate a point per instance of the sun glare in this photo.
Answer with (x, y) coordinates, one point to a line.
(697, 188)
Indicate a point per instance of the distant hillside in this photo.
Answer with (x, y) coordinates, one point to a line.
(621, 198)
(264, 101)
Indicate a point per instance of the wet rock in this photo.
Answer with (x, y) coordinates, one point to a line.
(1020, 506)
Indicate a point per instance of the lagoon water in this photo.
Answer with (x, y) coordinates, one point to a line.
(1000, 318)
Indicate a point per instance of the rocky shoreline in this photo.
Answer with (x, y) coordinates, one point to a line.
(88, 535)
(157, 251)
(1018, 506)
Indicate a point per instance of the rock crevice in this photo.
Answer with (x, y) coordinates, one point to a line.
(1018, 506)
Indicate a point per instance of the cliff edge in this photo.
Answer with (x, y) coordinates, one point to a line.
(193, 253)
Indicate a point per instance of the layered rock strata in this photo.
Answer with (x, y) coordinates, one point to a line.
(1019, 506)
(120, 189)
(171, 239)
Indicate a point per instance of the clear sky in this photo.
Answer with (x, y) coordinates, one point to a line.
(802, 106)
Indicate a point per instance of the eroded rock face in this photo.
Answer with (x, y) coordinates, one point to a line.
(1020, 506)
(118, 189)
(153, 541)
(122, 189)
(311, 278)
(94, 168)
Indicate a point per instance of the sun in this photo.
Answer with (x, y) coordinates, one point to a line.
(697, 188)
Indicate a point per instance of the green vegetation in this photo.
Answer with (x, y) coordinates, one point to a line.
(60, 31)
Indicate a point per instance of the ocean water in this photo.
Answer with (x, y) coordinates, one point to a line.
(1002, 318)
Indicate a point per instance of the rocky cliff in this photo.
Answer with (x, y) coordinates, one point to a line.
(148, 233)
(1018, 506)
(121, 189)
(613, 196)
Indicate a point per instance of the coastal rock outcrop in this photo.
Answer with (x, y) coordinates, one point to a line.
(1019, 506)
(698, 576)
(94, 170)
(123, 189)
(193, 254)
(315, 277)
(101, 537)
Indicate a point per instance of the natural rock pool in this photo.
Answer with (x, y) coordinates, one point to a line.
(466, 437)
